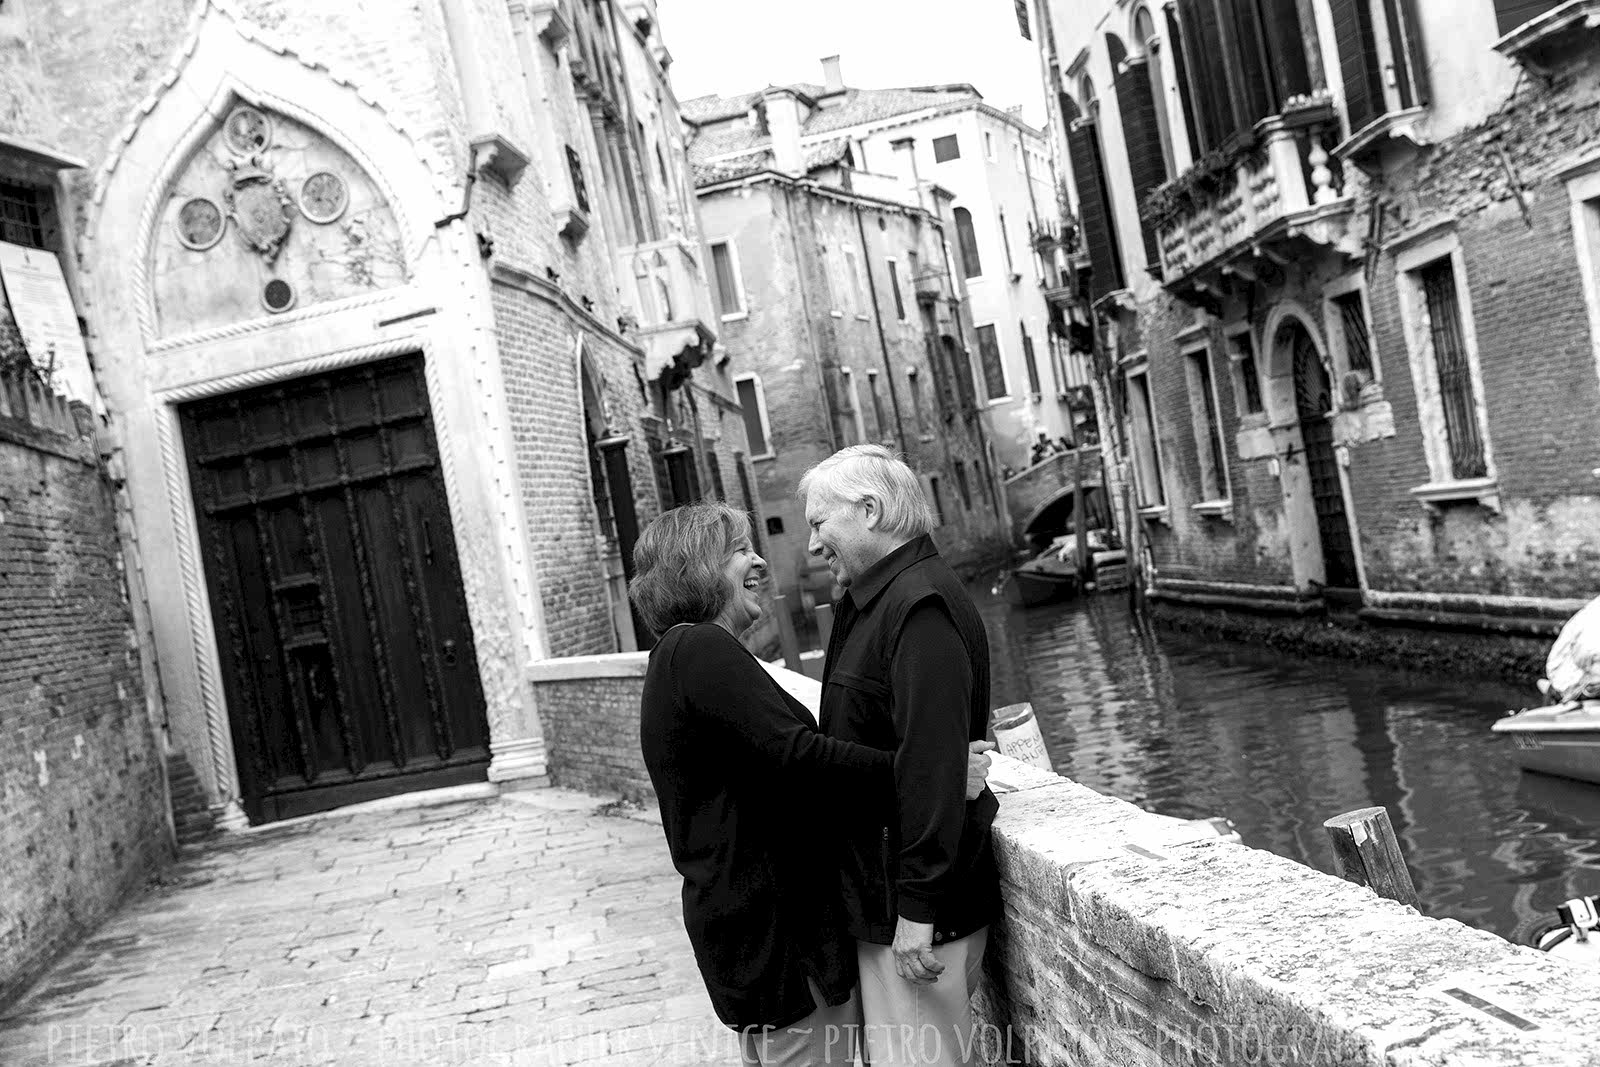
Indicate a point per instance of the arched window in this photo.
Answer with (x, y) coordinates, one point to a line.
(967, 243)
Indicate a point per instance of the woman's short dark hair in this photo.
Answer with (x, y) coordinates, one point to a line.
(678, 563)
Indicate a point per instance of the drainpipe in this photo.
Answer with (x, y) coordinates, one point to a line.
(877, 317)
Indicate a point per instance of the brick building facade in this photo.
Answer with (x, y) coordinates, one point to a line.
(843, 325)
(1340, 259)
(400, 322)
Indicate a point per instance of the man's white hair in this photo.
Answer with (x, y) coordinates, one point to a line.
(853, 474)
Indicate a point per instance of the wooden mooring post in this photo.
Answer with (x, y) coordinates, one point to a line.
(788, 642)
(1368, 854)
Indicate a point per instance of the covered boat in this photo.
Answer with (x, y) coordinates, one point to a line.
(1559, 739)
(1564, 737)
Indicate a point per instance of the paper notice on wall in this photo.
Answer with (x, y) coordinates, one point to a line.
(37, 294)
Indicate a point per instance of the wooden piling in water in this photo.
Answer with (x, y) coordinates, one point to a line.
(1367, 852)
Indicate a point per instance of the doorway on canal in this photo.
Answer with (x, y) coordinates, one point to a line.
(1195, 728)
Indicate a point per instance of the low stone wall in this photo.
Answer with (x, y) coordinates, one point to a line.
(1132, 938)
(589, 708)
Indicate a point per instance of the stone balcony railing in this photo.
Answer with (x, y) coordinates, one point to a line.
(1285, 188)
(665, 285)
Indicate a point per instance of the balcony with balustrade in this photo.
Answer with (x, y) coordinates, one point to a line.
(664, 285)
(1275, 197)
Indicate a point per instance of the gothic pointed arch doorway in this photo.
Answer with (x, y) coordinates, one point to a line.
(1313, 401)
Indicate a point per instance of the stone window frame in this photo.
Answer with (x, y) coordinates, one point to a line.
(1338, 350)
(738, 277)
(1220, 504)
(1137, 365)
(762, 418)
(1583, 192)
(1421, 252)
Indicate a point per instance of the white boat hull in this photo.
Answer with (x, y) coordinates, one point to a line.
(1562, 739)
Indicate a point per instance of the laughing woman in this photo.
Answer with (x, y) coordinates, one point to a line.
(737, 765)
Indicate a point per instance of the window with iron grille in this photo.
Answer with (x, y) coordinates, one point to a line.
(1244, 364)
(22, 214)
(1457, 394)
(714, 468)
(1353, 321)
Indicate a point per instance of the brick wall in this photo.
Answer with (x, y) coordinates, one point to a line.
(82, 805)
(591, 727)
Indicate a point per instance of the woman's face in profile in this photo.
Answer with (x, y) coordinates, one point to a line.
(743, 572)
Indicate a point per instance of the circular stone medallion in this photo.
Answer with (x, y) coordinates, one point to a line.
(277, 296)
(200, 223)
(247, 130)
(324, 196)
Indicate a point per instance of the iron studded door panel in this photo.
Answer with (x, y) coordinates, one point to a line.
(342, 630)
(1314, 400)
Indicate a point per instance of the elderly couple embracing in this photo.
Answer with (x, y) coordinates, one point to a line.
(838, 882)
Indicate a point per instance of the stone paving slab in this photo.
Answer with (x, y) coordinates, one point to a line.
(527, 929)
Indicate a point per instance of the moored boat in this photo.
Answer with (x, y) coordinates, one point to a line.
(1561, 739)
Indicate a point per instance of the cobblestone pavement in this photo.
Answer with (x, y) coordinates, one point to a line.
(524, 929)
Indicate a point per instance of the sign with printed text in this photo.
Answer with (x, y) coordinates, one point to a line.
(36, 291)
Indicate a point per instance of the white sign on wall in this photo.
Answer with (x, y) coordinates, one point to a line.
(42, 306)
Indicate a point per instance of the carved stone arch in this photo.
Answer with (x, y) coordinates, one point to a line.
(1277, 371)
(1138, 39)
(592, 393)
(224, 62)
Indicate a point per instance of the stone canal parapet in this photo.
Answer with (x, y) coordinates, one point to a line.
(1131, 937)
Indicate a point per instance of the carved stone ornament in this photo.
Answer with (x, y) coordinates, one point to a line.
(200, 223)
(247, 130)
(260, 207)
(323, 197)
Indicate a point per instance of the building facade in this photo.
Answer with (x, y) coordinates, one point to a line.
(1339, 257)
(400, 322)
(842, 322)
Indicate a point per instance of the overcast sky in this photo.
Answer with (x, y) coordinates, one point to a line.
(738, 46)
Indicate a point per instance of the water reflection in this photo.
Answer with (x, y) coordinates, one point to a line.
(1277, 744)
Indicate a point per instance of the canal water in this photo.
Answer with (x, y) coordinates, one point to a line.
(1197, 728)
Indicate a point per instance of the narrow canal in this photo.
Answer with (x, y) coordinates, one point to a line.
(1194, 729)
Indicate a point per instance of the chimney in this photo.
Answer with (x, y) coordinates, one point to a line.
(832, 77)
(785, 115)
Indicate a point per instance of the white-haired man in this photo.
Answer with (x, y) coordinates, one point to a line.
(907, 670)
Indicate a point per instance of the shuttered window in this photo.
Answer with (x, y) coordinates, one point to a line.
(1410, 64)
(1181, 69)
(1029, 361)
(1094, 203)
(1513, 13)
(994, 372)
(1457, 394)
(1358, 58)
(967, 244)
(1141, 132)
(1208, 73)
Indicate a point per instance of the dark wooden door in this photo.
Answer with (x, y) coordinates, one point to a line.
(346, 651)
(1313, 397)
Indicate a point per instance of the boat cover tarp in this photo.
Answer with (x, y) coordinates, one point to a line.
(1573, 669)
